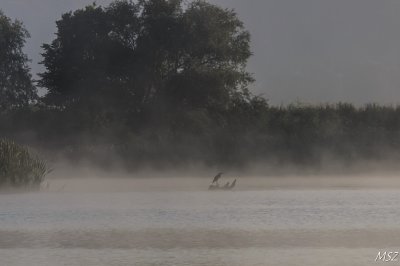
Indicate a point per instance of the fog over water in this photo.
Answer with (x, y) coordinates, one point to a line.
(176, 221)
(279, 213)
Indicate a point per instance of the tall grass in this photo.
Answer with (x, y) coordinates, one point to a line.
(19, 168)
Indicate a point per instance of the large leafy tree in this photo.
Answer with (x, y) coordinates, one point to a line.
(149, 56)
(16, 88)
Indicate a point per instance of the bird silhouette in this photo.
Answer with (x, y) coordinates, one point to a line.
(233, 184)
(217, 177)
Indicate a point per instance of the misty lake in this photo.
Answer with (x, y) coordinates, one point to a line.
(332, 225)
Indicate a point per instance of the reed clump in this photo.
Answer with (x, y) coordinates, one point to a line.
(19, 168)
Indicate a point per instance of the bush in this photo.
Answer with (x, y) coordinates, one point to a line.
(19, 168)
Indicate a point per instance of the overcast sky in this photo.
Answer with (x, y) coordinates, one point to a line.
(304, 50)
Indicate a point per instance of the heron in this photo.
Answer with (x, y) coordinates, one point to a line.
(233, 184)
(217, 177)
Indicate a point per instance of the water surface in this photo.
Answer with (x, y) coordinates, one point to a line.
(280, 226)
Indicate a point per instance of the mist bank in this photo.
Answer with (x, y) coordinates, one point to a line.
(162, 85)
(253, 137)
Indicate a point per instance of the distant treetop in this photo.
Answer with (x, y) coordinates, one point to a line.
(156, 55)
(16, 88)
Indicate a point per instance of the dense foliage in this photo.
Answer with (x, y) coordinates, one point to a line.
(150, 60)
(250, 132)
(16, 88)
(162, 83)
(18, 167)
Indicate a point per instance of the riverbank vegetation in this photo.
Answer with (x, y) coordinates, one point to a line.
(163, 84)
(19, 168)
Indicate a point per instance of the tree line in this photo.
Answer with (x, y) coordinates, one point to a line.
(164, 83)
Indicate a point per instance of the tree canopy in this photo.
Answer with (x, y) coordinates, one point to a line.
(163, 83)
(146, 57)
(16, 88)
